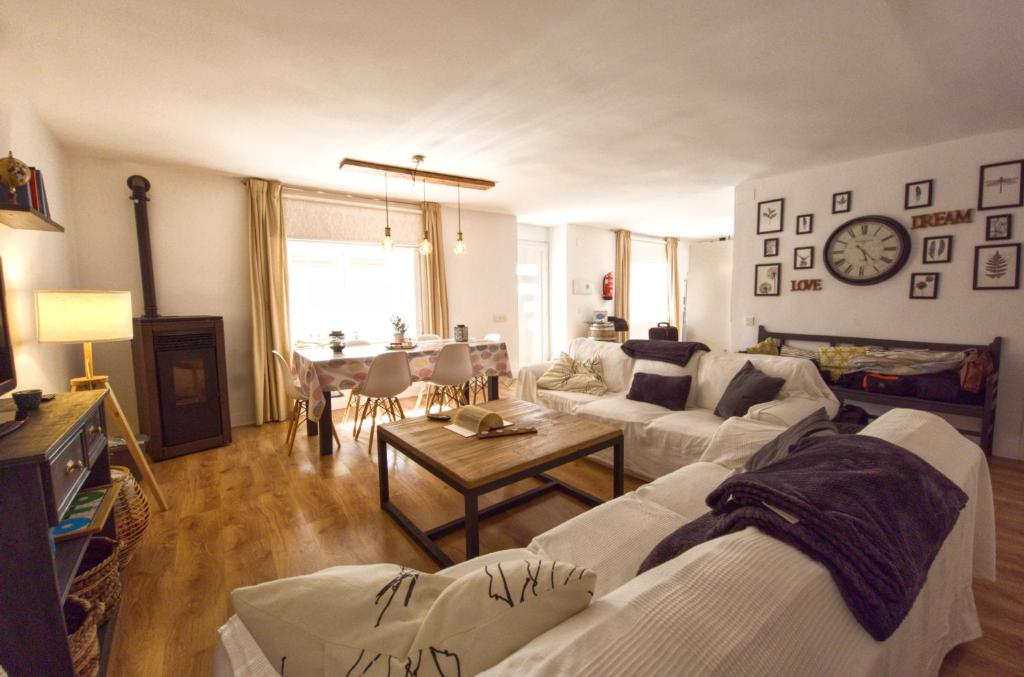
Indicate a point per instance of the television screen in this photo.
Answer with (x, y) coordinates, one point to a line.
(8, 380)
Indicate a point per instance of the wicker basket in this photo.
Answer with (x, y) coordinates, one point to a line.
(99, 578)
(80, 617)
(131, 512)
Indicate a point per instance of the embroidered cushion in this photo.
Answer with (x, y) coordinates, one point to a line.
(765, 347)
(385, 619)
(836, 359)
(576, 376)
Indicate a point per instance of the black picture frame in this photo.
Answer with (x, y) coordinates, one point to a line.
(771, 247)
(767, 211)
(987, 180)
(805, 224)
(763, 287)
(918, 194)
(1013, 256)
(924, 286)
(808, 263)
(842, 202)
(998, 227)
(938, 249)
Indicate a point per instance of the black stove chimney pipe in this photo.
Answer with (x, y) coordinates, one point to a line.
(139, 186)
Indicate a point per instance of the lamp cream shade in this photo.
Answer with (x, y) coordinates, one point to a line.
(83, 316)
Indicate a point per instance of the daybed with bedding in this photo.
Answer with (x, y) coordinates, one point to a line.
(980, 405)
(741, 604)
(659, 440)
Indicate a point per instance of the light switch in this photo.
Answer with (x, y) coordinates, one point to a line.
(499, 318)
(749, 321)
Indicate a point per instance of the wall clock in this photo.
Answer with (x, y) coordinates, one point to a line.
(867, 250)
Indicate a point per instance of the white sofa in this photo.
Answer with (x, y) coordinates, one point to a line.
(743, 604)
(658, 440)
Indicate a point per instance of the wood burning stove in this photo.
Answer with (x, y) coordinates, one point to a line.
(180, 369)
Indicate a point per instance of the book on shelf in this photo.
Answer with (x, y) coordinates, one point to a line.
(33, 194)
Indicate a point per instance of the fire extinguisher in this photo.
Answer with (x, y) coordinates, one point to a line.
(607, 287)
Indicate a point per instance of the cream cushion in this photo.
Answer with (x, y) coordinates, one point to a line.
(564, 401)
(737, 440)
(569, 374)
(617, 366)
(386, 619)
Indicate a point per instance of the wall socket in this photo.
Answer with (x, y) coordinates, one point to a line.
(750, 321)
(499, 318)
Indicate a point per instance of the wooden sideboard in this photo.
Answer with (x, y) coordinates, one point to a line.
(61, 449)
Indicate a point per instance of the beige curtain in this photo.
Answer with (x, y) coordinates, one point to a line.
(674, 300)
(433, 287)
(268, 279)
(622, 254)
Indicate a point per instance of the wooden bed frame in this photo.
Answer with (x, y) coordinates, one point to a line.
(985, 412)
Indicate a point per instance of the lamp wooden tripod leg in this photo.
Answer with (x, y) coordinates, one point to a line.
(113, 409)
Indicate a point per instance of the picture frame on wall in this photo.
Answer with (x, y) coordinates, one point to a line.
(842, 202)
(769, 216)
(918, 194)
(767, 279)
(803, 258)
(771, 246)
(937, 249)
(805, 224)
(924, 285)
(999, 227)
(1000, 185)
(997, 266)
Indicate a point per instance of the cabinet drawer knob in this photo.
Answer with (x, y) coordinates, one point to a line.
(72, 466)
(94, 429)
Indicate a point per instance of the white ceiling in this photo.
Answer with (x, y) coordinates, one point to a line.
(638, 114)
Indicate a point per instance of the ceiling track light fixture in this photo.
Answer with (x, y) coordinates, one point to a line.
(417, 174)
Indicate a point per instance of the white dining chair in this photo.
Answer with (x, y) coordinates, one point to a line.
(353, 393)
(294, 390)
(452, 372)
(478, 388)
(425, 338)
(387, 378)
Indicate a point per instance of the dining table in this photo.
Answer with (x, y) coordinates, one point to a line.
(322, 372)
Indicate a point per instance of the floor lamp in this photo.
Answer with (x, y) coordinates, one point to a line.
(89, 317)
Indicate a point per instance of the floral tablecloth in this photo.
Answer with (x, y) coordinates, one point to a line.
(319, 369)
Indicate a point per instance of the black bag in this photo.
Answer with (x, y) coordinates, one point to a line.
(663, 332)
(888, 384)
(941, 387)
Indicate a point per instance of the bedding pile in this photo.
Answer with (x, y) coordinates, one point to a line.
(873, 513)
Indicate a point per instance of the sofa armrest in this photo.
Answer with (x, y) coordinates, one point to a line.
(790, 410)
(526, 380)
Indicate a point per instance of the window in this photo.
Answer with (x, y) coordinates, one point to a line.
(352, 287)
(648, 286)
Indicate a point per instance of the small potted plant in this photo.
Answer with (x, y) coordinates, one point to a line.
(399, 326)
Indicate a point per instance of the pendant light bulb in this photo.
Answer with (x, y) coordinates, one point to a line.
(460, 246)
(388, 244)
(425, 246)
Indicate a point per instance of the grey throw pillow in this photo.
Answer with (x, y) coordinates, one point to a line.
(747, 388)
(815, 425)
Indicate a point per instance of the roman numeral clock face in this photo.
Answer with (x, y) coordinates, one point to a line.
(867, 250)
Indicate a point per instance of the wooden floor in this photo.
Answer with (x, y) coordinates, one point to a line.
(248, 513)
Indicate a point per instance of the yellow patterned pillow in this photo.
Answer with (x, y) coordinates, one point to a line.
(574, 376)
(765, 347)
(836, 359)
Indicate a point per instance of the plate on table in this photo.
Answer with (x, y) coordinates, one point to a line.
(401, 346)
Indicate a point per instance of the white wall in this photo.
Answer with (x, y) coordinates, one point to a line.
(200, 258)
(708, 291)
(884, 310)
(558, 301)
(590, 254)
(38, 260)
(482, 282)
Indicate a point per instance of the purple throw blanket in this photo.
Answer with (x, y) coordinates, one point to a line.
(873, 513)
(675, 352)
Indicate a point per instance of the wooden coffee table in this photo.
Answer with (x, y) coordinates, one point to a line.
(475, 467)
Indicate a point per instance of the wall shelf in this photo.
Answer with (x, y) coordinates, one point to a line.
(24, 218)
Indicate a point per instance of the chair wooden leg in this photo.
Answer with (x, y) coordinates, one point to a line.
(357, 426)
(334, 431)
(293, 427)
(352, 394)
(401, 413)
(419, 397)
(373, 427)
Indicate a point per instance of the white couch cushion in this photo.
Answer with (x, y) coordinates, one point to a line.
(617, 366)
(669, 369)
(682, 436)
(384, 619)
(716, 370)
(564, 401)
(613, 538)
(685, 492)
(618, 411)
(737, 440)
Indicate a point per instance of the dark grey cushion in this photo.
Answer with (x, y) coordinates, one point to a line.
(747, 388)
(665, 391)
(815, 425)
